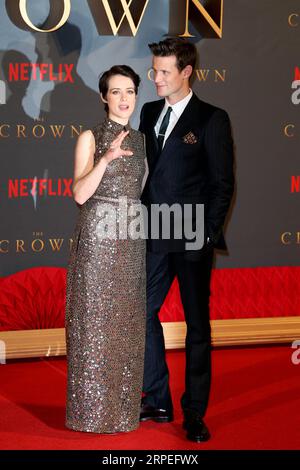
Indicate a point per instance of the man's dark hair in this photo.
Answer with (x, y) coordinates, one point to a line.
(185, 51)
(124, 70)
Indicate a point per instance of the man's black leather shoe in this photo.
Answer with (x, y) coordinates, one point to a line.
(155, 414)
(195, 427)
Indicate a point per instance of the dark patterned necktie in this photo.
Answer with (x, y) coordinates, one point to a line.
(163, 128)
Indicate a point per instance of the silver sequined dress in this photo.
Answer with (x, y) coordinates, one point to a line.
(106, 298)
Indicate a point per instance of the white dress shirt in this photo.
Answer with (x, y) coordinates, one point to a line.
(177, 110)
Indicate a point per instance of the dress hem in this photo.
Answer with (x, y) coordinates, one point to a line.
(115, 431)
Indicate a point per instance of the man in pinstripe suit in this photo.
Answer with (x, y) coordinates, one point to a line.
(190, 158)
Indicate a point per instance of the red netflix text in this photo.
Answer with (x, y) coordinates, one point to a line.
(34, 186)
(295, 184)
(28, 71)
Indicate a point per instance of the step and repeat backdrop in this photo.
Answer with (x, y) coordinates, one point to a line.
(51, 55)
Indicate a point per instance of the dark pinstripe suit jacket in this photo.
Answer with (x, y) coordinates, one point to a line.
(195, 166)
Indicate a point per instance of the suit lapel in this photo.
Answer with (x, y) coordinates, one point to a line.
(183, 125)
(186, 120)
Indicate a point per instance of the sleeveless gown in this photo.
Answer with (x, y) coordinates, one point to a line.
(106, 298)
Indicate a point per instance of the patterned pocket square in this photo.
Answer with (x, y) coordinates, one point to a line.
(190, 138)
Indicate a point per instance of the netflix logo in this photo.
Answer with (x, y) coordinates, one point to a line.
(45, 72)
(32, 187)
(295, 184)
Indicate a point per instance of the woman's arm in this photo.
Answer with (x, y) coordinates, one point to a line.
(87, 177)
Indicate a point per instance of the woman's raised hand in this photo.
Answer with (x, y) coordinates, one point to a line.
(115, 150)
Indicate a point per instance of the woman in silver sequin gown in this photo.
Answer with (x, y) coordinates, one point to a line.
(106, 298)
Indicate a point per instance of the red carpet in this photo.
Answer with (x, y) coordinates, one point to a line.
(255, 404)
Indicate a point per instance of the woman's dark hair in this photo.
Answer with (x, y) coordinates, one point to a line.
(124, 70)
(185, 51)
